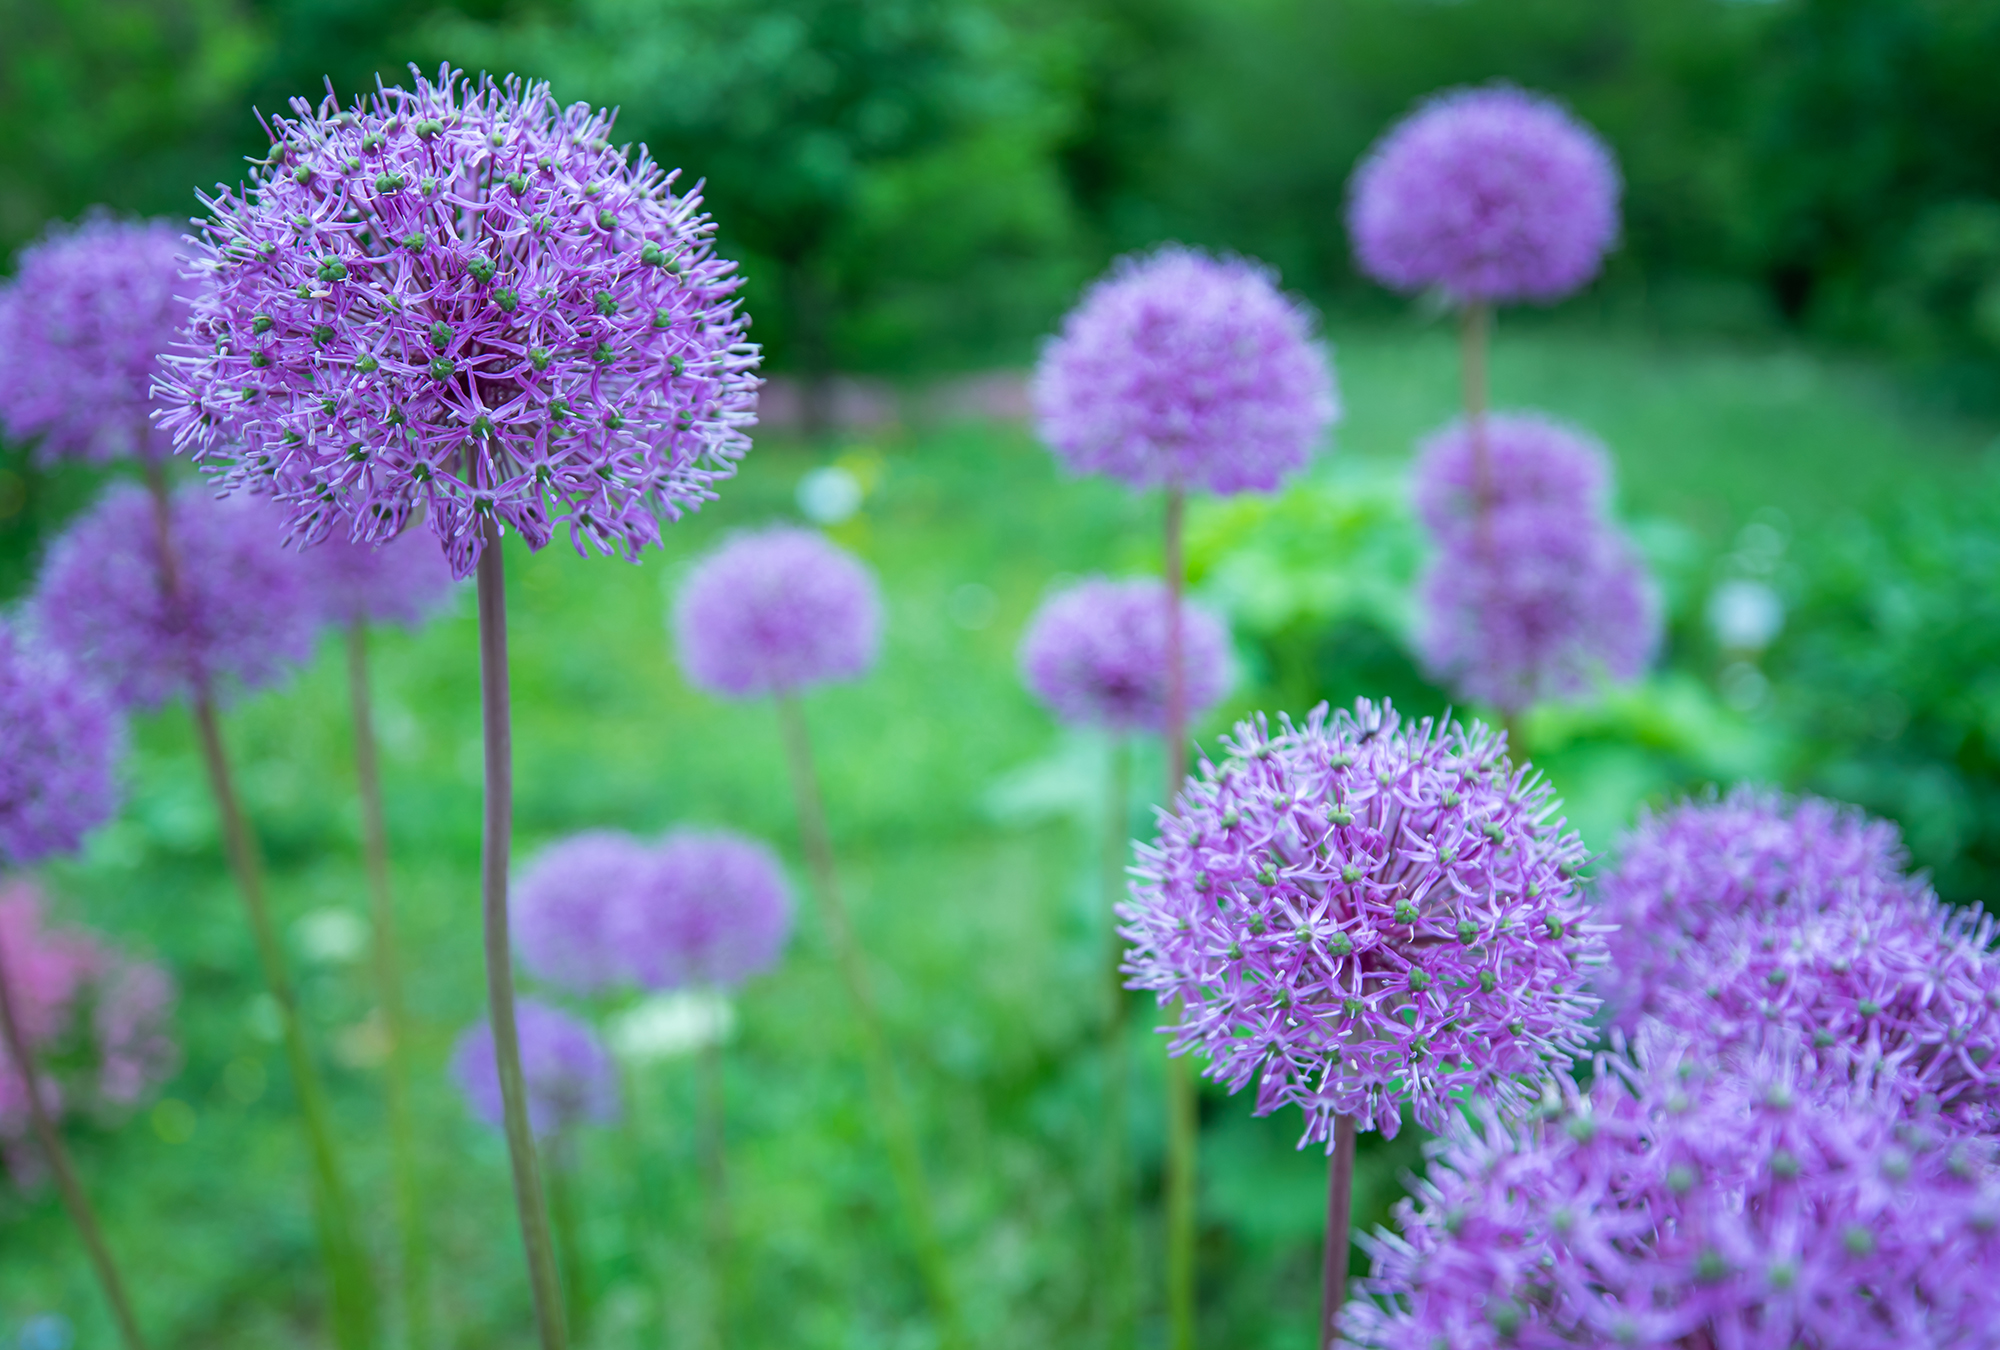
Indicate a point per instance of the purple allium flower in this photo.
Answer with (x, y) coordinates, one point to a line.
(774, 611)
(1536, 604)
(1096, 654)
(569, 923)
(83, 326)
(1188, 371)
(716, 911)
(1531, 460)
(1488, 194)
(1677, 1205)
(1361, 913)
(464, 300)
(570, 1078)
(240, 609)
(404, 581)
(58, 774)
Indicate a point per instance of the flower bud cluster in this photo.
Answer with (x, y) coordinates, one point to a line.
(1096, 654)
(58, 776)
(776, 611)
(569, 1075)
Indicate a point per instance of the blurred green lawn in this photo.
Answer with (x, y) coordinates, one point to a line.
(966, 824)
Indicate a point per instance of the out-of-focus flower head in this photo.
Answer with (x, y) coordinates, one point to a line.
(403, 581)
(1096, 654)
(1186, 371)
(716, 911)
(1678, 1204)
(232, 607)
(571, 1079)
(775, 611)
(1487, 194)
(83, 325)
(464, 300)
(1364, 913)
(569, 908)
(1531, 460)
(63, 739)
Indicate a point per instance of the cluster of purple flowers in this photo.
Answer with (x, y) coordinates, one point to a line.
(570, 1078)
(58, 777)
(775, 611)
(1096, 654)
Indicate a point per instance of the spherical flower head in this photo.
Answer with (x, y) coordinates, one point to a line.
(570, 1078)
(1096, 654)
(1675, 1205)
(1536, 604)
(232, 607)
(83, 325)
(1531, 460)
(1187, 371)
(775, 611)
(59, 775)
(403, 581)
(716, 911)
(1364, 913)
(461, 299)
(1492, 195)
(569, 905)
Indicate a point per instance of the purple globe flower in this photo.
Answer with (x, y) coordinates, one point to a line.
(571, 1080)
(240, 610)
(716, 911)
(570, 905)
(1531, 460)
(775, 611)
(1185, 371)
(1672, 1204)
(1363, 913)
(83, 326)
(58, 776)
(404, 581)
(1488, 194)
(462, 299)
(1096, 654)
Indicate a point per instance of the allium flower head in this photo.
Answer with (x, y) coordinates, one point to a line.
(1531, 460)
(1676, 1205)
(1363, 913)
(571, 1079)
(83, 326)
(569, 908)
(58, 775)
(462, 300)
(403, 581)
(716, 911)
(1096, 654)
(1188, 371)
(775, 611)
(1488, 194)
(239, 609)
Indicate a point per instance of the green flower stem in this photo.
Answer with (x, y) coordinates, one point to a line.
(1339, 1218)
(1120, 1308)
(715, 1190)
(1475, 331)
(544, 1282)
(561, 1157)
(1181, 1122)
(891, 1114)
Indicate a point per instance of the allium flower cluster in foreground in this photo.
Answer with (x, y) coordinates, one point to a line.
(58, 773)
(1673, 1204)
(83, 326)
(570, 1077)
(1096, 654)
(1487, 194)
(404, 581)
(1362, 913)
(238, 609)
(1187, 371)
(463, 299)
(775, 611)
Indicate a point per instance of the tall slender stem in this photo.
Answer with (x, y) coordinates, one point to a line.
(1176, 711)
(1339, 1218)
(715, 1189)
(73, 1198)
(569, 1241)
(389, 988)
(1181, 1122)
(543, 1280)
(899, 1137)
(1475, 327)
(1119, 1307)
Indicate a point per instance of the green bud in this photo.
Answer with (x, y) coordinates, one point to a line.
(482, 270)
(322, 334)
(1339, 815)
(1420, 980)
(613, 420)
(1710, 1267)
(353, 165)
(1868, 1007)
(332, 269)
(1468, 932)
(372, 141)
(1554, 925)
(1858, 1240)
(263, 323)
(356, 454)
(1506, 1318)
(1782, 1275)
(367, 364)
(676, 365)
(652, 255)
(427, 127)
(1680, 1178)
(1354, 1007)
(427, 185)
(1784, 1164)
(414, 241)
(606, 220)
(506, 299)
(1406, 910)
(302, 174)
(538, 357)
(516, 181)
(604, 356)
(440, 334)
(607, 304)
(559, 410)
(442, 367)
(260, 359)
(1350, 874)
(1339, 944)
(388, 182)
(482, 426)
(1488, 981)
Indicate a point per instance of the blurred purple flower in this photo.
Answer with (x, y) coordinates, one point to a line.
(1096, 654)
(404, 581)
(569, 906)
(1531, 460)
(83, 326)
(571, 1080)
(464, 300)
(59, 772)
(1187, 371)
(716, 911)
(774, 611)
(1488, 194)
(1362, 914)
(241, 610)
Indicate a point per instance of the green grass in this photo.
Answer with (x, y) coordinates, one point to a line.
(966, 826)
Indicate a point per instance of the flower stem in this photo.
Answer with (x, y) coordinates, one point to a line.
(1475, 328)
(898, 1135)
(569, 1242)
(1181, 1123)
(1119, 1308)
(73, 1198)
(1339, 1215)
(389, 988)
(715, 1189)
(543, 1281)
